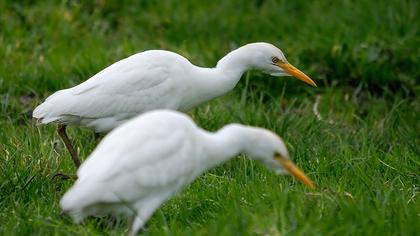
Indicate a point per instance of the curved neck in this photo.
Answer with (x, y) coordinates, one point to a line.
(224, 144)
(235, 63)
(214, 82)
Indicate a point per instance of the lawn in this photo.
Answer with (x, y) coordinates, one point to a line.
(362, 150)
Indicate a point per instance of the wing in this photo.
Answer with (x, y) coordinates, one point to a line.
(134, 161)
(148, 155)
(139, 83)
(122, 87)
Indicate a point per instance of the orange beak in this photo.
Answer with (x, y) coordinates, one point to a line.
(295, 171)
(293, 71)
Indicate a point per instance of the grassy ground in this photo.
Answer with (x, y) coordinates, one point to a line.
(363, 153)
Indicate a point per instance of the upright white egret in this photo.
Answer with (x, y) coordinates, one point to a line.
(142, 163)
(155, 79)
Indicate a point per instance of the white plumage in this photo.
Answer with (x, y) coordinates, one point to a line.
(154, 79)
(142, 82)
(140, 164)
(157, 79)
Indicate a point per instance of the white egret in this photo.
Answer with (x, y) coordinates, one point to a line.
(142, 163)
(155, 79)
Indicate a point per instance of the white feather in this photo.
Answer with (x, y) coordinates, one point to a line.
(140, 164)
(150, 80)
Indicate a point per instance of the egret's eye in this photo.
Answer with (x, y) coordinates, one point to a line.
(275, 60)
(277, 156)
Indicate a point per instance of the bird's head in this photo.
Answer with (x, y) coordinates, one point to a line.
(268, 148)
(271, 60)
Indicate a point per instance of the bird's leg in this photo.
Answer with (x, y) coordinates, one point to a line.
(98, 137)
(142, 212)
(62, 132)
(135, 224)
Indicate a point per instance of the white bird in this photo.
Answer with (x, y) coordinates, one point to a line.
(142, 163)
(155, 79)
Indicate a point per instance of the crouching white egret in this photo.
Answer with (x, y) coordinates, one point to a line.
(142, 163)
(155, 79)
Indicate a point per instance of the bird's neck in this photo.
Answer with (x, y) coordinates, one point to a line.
(214, 82)
(235, 63)
(225, 144)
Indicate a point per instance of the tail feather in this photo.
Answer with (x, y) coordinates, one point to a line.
(77, 201)
(39, 113)
(52, 108)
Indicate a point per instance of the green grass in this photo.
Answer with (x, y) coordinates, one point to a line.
(364, 154)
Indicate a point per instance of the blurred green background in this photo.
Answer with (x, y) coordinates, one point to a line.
(364, 152)
(55, 44)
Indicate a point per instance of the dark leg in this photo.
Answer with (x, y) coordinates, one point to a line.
(65, 176)
(62, 132)
(98, 137)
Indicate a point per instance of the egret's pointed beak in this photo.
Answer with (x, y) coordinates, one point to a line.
(295, 171)
(293, 71)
